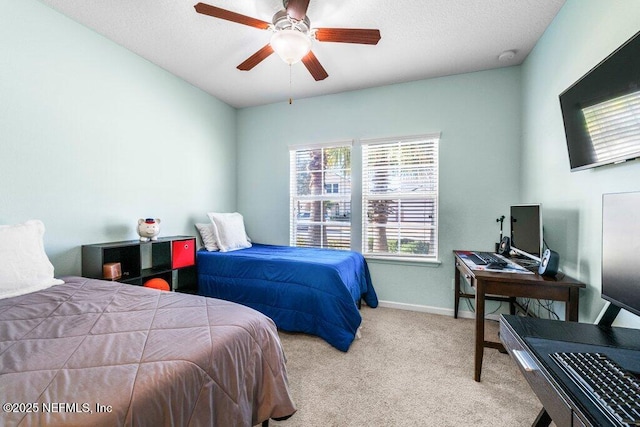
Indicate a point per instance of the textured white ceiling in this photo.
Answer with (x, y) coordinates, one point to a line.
(420, 39)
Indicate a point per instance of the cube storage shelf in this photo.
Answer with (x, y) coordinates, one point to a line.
(172, 258)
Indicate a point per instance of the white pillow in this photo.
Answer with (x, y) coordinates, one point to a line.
(24, 265)
(229, 231)
(208, 237)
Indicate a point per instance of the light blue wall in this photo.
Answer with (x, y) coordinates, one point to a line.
(92, 137)
(583, 33)
(479, 117)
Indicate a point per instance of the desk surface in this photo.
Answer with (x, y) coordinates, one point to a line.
(559, 279)
(540, 337)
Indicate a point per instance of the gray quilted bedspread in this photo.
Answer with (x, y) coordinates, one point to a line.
(92, 352)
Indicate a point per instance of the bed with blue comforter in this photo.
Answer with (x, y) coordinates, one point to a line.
(316, 291)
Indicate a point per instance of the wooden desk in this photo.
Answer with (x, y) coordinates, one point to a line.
(491, 285)
(530, 341)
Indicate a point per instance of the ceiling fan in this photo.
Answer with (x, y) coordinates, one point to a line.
(292, 35)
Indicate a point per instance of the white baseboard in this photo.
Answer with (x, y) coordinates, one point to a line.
(435, 310)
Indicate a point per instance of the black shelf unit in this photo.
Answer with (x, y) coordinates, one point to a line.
(170, 258)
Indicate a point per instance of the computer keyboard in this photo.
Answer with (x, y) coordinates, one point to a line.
(613, 390)
(484, 258)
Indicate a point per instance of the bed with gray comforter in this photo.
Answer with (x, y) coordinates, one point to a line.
(92, 352)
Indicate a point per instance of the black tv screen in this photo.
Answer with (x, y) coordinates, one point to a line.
(601, 111)
(620, 250)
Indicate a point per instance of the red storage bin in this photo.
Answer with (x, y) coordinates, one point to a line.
(183, 253)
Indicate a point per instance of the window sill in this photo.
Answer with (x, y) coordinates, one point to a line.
(403, 260)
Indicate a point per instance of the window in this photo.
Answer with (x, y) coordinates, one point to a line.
(320, 196)
(331, 188)
(400, 197)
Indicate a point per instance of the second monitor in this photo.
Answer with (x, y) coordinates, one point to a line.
(526, 230)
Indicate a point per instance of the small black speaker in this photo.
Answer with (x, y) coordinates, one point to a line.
(549, 263)
(505, 246)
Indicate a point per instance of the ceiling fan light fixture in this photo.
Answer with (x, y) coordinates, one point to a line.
(291, 45)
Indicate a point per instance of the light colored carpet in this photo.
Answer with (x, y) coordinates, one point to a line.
(408, 369)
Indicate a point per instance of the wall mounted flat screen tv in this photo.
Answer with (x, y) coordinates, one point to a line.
(601, 111)
(620, 250)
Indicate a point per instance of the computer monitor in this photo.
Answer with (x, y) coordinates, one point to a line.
(620, 249)
(526, 230)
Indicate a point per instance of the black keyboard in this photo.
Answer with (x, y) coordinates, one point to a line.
(613, 390)
(484, 258)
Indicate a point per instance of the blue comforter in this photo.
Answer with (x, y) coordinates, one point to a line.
(309, 290)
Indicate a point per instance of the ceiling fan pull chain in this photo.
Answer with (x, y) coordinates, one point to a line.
(290, 90)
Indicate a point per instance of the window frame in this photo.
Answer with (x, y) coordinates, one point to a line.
(433, 141)
(324, 222)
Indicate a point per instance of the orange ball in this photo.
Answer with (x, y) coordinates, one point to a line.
(157, 283)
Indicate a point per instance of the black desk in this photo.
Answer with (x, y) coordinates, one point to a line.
(533, 339)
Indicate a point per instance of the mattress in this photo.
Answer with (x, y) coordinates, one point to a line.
(316, 291)
(92, 352)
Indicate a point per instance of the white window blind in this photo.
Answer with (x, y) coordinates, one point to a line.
(320, 196)
(400, 197)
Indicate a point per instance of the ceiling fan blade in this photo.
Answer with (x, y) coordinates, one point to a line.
(217, 12)
(315, 68)
(256, 58)
(297, 9)
(348, 35)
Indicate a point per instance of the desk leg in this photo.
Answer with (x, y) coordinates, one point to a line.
(571, 306)
(479, 353)
(456, 292)
(543, 419)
